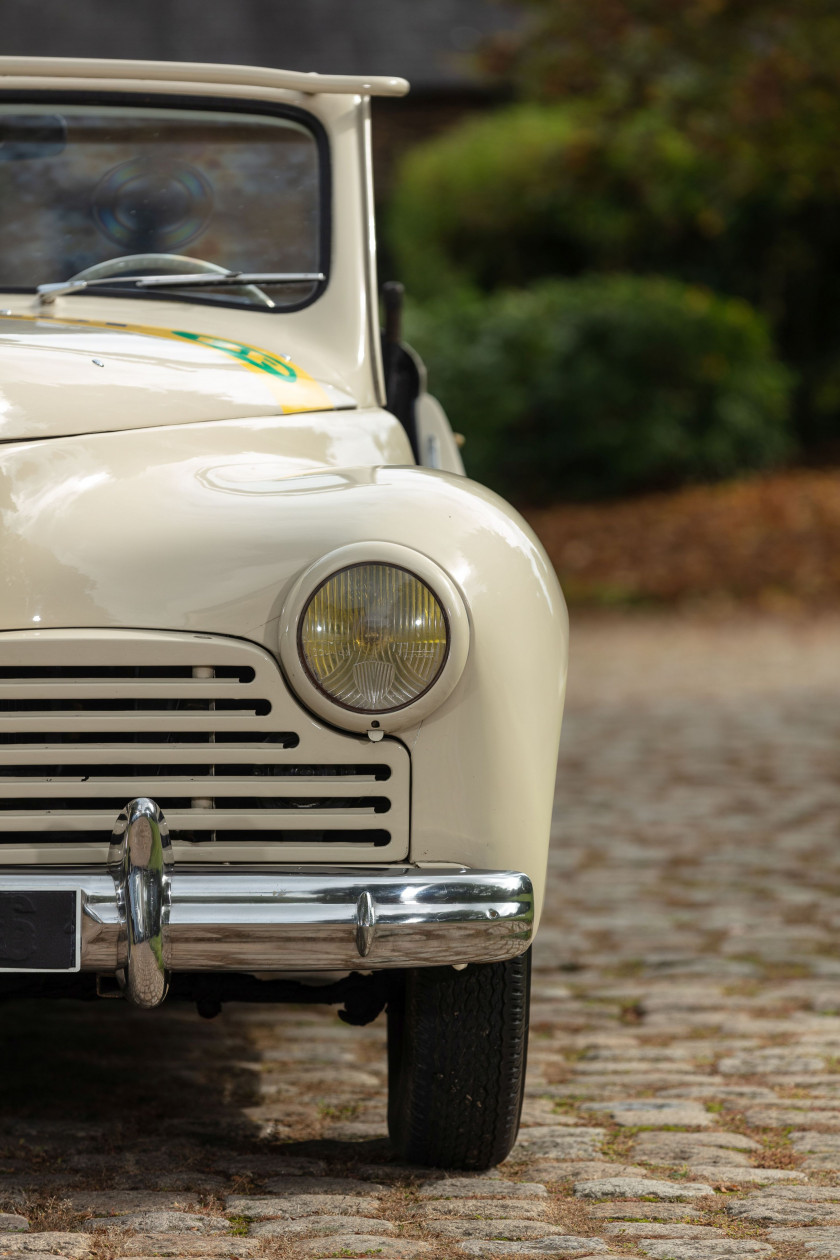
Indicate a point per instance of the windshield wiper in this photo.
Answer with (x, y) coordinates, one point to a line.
(47, 293)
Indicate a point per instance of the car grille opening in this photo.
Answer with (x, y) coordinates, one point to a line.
(207, 728)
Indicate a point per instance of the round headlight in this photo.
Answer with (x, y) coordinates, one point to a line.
(373, 638)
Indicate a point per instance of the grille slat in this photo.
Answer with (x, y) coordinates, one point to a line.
(160, 720)
(206, 726)
(84, 754)
(67, 693)
(126, 789)
(195, 819)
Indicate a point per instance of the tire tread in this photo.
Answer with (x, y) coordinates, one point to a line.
(458, 1048)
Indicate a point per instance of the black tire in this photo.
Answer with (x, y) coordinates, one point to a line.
(457, 1049)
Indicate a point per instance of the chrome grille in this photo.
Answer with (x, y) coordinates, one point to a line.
(206, 726)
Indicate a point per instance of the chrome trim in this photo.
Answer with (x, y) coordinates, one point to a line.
(141, 866)
(271, 918)
(365, 923)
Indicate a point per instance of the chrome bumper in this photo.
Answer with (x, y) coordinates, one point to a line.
(300, 918)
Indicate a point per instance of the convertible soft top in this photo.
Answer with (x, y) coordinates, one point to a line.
(198, 72)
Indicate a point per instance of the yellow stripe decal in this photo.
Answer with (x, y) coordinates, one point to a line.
(305, 395)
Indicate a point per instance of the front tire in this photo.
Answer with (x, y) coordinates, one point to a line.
(457, 1048)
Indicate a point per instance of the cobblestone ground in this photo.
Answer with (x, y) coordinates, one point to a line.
(684, 1088)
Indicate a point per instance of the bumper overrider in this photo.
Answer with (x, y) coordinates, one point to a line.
(140, 918)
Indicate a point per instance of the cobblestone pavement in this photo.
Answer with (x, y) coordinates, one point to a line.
(684, 1088)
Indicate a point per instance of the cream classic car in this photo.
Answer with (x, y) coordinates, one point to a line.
(280, 689)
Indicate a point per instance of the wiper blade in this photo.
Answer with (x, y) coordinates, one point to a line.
(231, 277)
(47, 293)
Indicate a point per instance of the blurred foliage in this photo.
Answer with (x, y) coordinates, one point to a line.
(604, 385)
(694, 139)
(740, 78)
(530, 190)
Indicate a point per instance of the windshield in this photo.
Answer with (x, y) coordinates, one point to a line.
(82, 185)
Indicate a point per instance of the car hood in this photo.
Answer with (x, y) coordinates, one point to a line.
(62, 377)
(193, 527)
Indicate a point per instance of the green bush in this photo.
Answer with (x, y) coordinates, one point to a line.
(533, 190)
(564, 189)
(604, 386)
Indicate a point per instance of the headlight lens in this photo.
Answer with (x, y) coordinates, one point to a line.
(373, 638)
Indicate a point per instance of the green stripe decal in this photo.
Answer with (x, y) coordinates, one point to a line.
(261, 360)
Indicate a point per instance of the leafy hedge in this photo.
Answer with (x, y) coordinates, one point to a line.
(604, 385)
(531, 190)
(568, 188)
